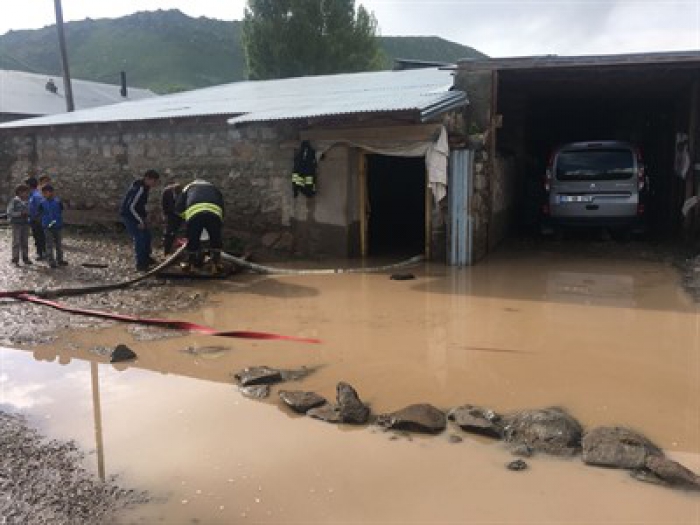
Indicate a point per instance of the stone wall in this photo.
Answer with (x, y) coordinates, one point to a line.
(93, 165)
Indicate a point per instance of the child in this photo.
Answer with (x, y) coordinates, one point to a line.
(34, 219)
(51, 213)
(18, 213)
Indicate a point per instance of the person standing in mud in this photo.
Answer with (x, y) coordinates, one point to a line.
(201, 204)
(18, 214)
(51, 213)
(171, 220)
(35, 199)
(134, 216)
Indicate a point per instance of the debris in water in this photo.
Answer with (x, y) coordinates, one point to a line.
(301, 401)
(516, 465)
(415, 418)
(479, 420)
(122, 353)
(402, 277)
(257, 375)
(255, 391)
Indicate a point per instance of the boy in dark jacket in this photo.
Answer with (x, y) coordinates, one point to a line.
(35, 198)
(18, 214)
(133, 213)
(51, 213)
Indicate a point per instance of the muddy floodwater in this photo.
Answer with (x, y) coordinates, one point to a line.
(613, 340)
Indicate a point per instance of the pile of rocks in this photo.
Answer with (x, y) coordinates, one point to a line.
(525, 432)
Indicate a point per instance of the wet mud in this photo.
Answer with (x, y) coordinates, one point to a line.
(44, 481)
(93, 259)
(613, 340)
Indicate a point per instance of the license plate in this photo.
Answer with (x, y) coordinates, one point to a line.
(575, 198)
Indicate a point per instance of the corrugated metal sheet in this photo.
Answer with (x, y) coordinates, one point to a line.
(26, 94)
(304, 97)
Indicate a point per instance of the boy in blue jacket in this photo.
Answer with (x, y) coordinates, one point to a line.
(51, 213)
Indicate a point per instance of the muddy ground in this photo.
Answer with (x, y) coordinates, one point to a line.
(45, 482)
(26, 324)
(600, 328)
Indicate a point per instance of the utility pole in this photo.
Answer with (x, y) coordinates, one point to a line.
(70, 106)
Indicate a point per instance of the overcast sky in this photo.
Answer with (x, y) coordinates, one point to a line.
(495, 27)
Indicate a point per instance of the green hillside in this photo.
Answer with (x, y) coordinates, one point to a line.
(169, 51)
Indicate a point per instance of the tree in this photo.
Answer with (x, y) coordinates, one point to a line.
(288, 38)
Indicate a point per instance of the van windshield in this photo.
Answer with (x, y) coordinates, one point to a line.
(595, 164)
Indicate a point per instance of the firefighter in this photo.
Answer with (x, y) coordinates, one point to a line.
(201, 205)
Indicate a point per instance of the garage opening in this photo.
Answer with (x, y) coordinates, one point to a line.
(541, 109)
(396, 198)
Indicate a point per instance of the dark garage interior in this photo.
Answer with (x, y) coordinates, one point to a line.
(646, 104)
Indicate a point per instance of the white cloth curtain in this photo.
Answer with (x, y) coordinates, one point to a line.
(436, 154)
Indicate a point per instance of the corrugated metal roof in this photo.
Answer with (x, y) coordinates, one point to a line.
(26, 94)
(304, 97)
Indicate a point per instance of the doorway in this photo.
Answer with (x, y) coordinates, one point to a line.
(396, 194)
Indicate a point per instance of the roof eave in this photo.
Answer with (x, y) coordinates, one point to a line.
(457, 100)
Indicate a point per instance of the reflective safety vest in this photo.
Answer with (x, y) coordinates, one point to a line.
(198, 197)
(304, 172)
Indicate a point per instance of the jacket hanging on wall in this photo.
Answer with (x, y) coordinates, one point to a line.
(304, 173)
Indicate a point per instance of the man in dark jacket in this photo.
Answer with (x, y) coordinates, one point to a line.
(201, 204)
(171, 219)
(134, 215)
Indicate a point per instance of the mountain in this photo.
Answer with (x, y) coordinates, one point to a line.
(169, 51)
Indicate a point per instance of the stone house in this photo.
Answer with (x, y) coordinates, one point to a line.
(372, 132)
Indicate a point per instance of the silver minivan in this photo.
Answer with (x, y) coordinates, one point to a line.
(600, 183)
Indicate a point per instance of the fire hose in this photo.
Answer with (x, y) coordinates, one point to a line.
(42, 297)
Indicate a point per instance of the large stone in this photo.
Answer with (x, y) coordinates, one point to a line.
(121, 354)
(352, 409)
(478, 420)
(550, 430)
(617, 447)
(255, 391)
(415, 418)
(328, 413)
(349, 408)
(301, 401)
(672, 472)
(258, 375)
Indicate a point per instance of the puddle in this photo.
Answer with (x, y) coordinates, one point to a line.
(615, 342)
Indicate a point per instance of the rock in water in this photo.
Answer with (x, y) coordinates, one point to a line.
(255, 391)
(122, 353)
(517, 465)
(415, 418)
(301, 401)
(352, 410)
(549, 430)
(478, 420)
(348, 410)
(672, 472)
(617, 447)
(328, 413)
(258, 375)
(402, 277)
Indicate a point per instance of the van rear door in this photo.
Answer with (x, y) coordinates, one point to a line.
(594, 181)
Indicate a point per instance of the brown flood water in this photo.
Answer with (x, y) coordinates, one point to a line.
(613, 341)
